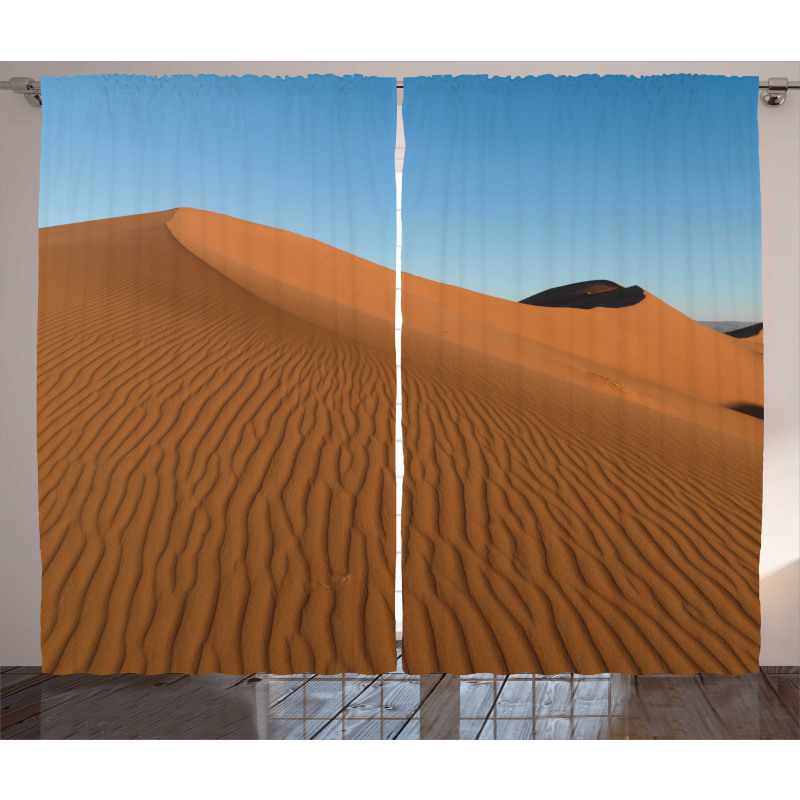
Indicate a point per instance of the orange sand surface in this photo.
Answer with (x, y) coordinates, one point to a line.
(650, 352)
(215, 439)
(582, 488)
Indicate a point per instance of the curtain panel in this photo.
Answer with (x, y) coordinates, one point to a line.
(216, 374)
(582, 374)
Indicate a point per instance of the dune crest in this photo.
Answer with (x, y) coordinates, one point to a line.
(314, 281)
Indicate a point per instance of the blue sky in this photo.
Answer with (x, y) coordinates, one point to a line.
(314, 156)
(513, 186)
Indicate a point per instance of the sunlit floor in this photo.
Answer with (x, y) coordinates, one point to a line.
(399, 706)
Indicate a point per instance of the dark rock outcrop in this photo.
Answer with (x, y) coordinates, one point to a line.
(747, 332)
(588, 294)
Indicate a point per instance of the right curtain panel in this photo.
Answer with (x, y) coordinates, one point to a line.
(582, 374)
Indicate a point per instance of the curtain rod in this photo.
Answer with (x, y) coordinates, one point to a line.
(773, 92)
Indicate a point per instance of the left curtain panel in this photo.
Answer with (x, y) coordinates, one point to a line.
(216, 378)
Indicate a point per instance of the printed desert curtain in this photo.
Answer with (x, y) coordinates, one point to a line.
(582, 375)
(216, 374)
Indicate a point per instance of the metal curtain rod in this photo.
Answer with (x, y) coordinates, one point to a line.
(773, 92)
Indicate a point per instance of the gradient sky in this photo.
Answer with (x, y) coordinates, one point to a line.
(513, 186)
(314, 156)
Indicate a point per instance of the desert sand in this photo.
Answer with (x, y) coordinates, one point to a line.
(582, 488)
(215, 440)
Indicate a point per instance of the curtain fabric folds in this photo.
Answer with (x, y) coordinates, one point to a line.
(216, 374)
(582, 374)
(581, 370)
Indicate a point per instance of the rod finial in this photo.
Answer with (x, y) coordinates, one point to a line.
(775, 92)
(27, 87)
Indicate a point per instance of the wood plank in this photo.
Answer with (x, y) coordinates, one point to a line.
(478, 696)
(553, 728)
(469, 728)
(356, 728)
(588, 727)
(323, 698)
(654, 709)
(440, 709)
(590, 698)
(317, 705)
(410, 731)
(389, 699)
(779, 698)
(553, 698)
(619, 688)
(22, 670)
(787, 689)
(17, 682)
(498, 728)
(22, 704)
(698, 707)
(279, 689)
(516, 699)
(192, 707)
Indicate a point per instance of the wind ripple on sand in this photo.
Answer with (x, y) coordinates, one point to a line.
(216, 474)
(551, 527)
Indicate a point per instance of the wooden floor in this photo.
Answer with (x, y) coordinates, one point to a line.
(399, 706)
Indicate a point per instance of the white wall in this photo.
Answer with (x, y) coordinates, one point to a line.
(779, 131)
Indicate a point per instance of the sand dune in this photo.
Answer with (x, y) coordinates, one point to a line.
(748, 332)
(307, 278)
(650, 352)
(215, 472)
(215, 462)
(578, 497)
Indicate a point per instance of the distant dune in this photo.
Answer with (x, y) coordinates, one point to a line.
(215, 437)
(748, 332)
(726, 326)
(649, 352)
(588, 294)
(582, 488)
